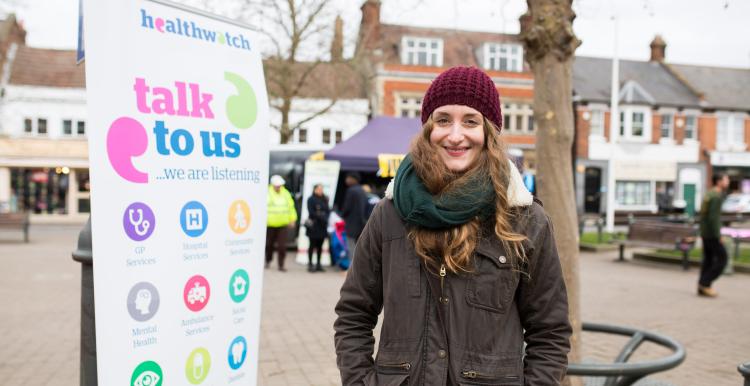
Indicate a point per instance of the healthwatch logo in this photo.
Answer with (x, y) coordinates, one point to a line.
(190, 29)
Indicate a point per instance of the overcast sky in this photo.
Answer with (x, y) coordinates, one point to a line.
(708, 32)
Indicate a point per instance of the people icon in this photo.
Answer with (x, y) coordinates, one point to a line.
(239, 216)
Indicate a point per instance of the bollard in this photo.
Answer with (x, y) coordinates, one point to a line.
(744, 369)
(84, 256)
(599, 226)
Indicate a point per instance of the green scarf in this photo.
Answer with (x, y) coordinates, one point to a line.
(418, 207)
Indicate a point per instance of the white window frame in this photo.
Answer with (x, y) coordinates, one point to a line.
(411, 104)
(627, 134)
(73, 128)
(296, 135)
(410, 49)
(494, 52)
(669, 127)
(593, 111)
(331, 135)
(35, 127)
(517, 112)
(728, 138)
(690, 114)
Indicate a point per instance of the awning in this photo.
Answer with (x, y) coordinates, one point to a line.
(381, 136)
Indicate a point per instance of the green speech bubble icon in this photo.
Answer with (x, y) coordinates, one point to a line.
(242, 108)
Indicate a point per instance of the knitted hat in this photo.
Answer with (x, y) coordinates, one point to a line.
(467, 86)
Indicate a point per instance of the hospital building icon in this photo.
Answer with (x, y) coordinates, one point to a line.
(194, 219)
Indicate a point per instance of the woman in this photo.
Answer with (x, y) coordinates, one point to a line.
(460, 259)
(317, 231)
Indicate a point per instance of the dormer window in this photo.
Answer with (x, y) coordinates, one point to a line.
(503, 57)
(421, 51)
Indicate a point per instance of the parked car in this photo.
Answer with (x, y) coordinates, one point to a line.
(736, 203)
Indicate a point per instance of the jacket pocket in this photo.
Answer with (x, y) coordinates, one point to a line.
(492, 285)
(393, 374)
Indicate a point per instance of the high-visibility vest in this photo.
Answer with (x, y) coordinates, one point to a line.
(281, 210)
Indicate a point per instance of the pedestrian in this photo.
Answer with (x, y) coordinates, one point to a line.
(354, 210)
(316, 226)
(282, 217)
(460, 259)
(372, 199)
(714, 254)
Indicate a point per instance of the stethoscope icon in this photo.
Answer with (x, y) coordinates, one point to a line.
(140, 226)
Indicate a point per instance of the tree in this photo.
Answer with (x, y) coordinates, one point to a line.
(547, 33)
(296, 61)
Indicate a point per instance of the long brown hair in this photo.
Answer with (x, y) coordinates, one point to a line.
(455, 246)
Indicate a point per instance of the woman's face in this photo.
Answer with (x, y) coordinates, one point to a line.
(458, 135)
(318, 190)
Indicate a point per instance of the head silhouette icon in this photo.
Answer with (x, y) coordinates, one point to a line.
(143, 301)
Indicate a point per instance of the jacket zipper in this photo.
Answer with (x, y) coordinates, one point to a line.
(442, 280)
(472, 374)
(399, 367)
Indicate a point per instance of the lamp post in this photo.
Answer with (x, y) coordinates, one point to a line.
(614, 122)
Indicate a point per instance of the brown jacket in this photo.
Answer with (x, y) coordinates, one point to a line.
(488, 315)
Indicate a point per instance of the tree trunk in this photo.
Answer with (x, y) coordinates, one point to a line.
(547, 32)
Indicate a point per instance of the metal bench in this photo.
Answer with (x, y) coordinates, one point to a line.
(18, 221)
(661, 235)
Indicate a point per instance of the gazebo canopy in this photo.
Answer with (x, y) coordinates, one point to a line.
(382, 135)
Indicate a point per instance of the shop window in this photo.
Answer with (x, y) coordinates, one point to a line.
(633, 193)
(40, 190)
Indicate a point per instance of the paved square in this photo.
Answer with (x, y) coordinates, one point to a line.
(40, 286)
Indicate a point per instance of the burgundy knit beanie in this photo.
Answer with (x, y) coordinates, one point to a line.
(467, 86)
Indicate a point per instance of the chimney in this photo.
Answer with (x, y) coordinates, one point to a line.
(658, 49)
(369, 29)
(337, 46)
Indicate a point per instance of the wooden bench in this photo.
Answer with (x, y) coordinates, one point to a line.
(661, 235)
(18, 221)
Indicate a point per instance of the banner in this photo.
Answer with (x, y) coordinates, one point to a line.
(178, 150)
(325, 173)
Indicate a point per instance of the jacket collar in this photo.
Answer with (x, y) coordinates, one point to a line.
(517, 193)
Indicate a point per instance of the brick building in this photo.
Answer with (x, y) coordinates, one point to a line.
(402, 61)
(678, 124)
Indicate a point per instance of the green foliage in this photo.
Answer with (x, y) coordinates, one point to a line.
(697, 254)
(593, 238)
